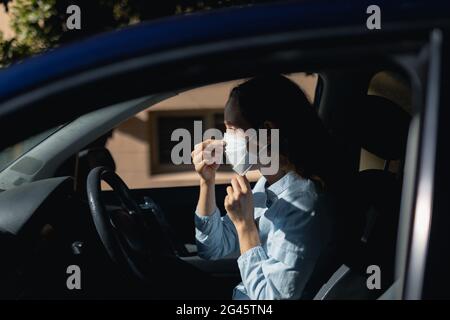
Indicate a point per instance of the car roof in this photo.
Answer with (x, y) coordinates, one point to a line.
(208, 26)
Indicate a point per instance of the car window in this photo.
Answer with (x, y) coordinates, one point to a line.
(393, 87)
(10, 154)
(141, 146)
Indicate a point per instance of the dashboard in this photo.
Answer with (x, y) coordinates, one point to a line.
(45, 227)
(19, 206)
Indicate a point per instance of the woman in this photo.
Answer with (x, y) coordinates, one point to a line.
(277, 229)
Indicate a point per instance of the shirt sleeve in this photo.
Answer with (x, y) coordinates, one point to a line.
(281, 272)
(216, 236)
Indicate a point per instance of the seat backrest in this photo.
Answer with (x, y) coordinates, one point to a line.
(346, 284)
(329, 258)
(370, 237)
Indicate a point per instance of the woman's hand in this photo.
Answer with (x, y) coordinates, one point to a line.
(239, 202)
(206, 157)
(240, 209)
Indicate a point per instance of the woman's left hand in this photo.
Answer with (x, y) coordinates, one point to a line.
(240, 208)
(239, 202)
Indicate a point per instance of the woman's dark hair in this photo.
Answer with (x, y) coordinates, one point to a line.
(304, 140)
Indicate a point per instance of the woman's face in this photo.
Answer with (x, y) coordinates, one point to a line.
(235, 123)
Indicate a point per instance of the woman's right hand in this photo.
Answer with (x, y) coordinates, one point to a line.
(206, 158)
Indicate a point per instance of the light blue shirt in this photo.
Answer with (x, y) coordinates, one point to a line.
(292, 232)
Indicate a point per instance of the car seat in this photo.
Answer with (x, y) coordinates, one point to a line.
(380, 127)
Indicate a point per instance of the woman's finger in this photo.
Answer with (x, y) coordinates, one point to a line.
(208, 156)
(197, 151)
(199, 147)
(207, 148)
(199, 166)
(247, 183)
(225, 203)
(230, 191)
(214, 151)
(228, 198)
(236, 187)
(202, 145)
(206, 142)
(197, 158)
(243, 185)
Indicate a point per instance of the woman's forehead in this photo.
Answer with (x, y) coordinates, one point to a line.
(233, 116)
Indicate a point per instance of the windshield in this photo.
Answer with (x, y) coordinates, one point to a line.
(10, 154)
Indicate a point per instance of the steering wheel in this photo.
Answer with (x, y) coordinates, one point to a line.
(132, 238)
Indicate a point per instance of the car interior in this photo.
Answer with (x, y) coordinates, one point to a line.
(139, 243)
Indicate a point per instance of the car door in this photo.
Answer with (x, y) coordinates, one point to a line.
(428, 262)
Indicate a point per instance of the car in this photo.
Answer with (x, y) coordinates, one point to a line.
(382, 91)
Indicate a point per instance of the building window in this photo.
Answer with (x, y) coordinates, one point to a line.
(163, 123)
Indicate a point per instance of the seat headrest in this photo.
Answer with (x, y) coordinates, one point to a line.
(382, 127)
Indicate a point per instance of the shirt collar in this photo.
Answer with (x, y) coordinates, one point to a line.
(282, 184)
